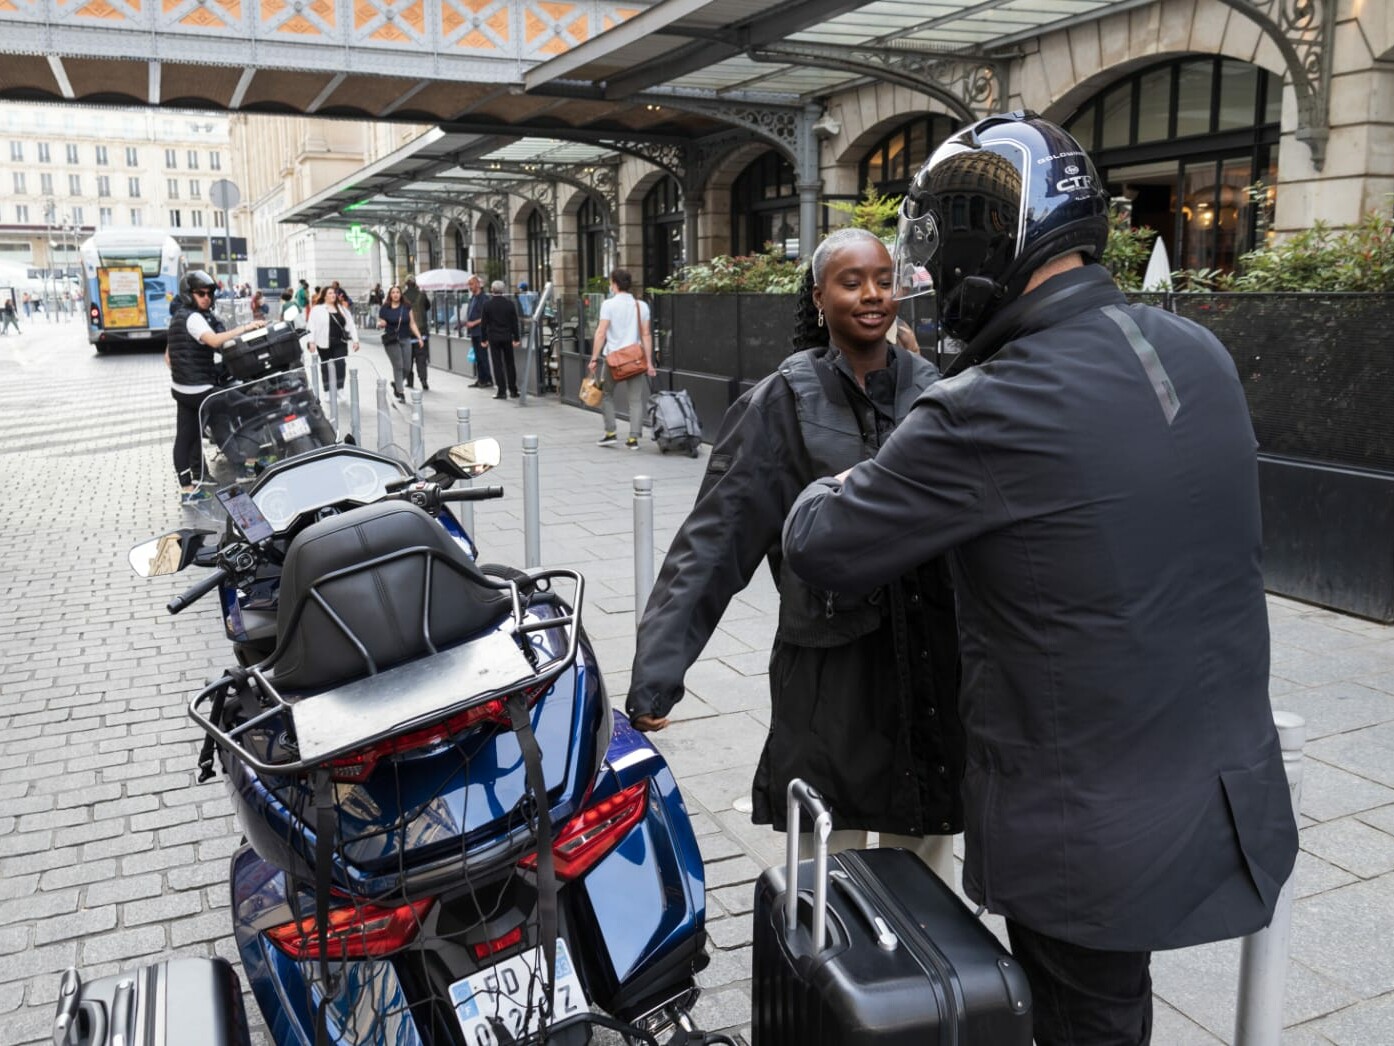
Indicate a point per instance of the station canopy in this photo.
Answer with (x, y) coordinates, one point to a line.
(675, 72)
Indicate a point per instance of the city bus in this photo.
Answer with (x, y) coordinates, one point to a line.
(130, 281)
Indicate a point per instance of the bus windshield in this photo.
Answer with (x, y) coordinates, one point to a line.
(148, 262)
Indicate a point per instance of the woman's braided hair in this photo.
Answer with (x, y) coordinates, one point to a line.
(807, 332)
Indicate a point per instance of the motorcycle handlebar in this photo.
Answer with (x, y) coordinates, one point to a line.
(196, 592)
(472, 494)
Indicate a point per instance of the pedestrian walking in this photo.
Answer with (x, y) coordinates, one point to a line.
(8, 318)
(1091, 470)
(623, 322)
(332, 332)
(420, 306)
(376, 296)
(28, 304)
(290, 312)
(863, 690)
(302, 297)
(399, 335)
(474, 327)
(503, 333)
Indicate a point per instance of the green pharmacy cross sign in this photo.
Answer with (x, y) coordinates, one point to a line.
(359, 240)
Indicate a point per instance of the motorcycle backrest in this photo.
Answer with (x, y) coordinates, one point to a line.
(371, 588)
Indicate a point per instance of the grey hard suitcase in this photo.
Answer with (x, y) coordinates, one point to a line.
(888, 956)
(674, 421)
(182, 1002)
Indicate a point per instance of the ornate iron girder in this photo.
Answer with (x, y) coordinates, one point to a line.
(970, 85)
(1304, 31)
(776, 121)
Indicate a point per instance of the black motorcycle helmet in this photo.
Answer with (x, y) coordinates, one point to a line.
(196, 279)
(994, 203)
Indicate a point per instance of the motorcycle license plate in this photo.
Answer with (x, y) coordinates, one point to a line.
(498, 998)
(295, 428)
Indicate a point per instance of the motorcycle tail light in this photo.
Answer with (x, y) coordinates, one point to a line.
(358, 766)
(595, 831)
(363, 931)
(484, 949)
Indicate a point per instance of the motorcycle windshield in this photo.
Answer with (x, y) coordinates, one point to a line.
(346, 474)
(254, 424)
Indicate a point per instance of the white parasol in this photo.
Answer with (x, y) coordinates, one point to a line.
(1158, 274)
(443, 279)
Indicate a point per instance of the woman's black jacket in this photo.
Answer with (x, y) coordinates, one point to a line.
(863, 691)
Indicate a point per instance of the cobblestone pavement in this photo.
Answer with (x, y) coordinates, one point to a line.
(111, 855)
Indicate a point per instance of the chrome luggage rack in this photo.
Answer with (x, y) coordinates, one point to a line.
(405, 697)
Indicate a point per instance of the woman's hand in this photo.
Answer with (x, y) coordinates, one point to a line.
(355, 346)
(382, 325)
(310, 348)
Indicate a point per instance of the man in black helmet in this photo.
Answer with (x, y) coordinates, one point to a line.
(195, 331)
(1090, 468)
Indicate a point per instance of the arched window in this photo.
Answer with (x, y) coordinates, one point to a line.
(889, 165)
(460, 248)
(539, 251)
(765, 206)
(404, 260)
(663, 229)
(590, 240)
(1192, 144)
(497, 266)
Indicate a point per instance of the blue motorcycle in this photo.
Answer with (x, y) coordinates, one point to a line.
(450, 836)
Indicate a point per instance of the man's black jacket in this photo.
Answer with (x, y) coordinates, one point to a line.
(500, 318)
(1096, 483)
(863, 691)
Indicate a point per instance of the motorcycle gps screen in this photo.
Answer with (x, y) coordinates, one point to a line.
(245, 515)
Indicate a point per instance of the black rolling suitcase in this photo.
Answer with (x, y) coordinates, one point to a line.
(182, 1002)
(902, 962)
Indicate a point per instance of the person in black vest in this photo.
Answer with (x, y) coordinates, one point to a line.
(863, 691)
(502, 331)
(194, 333)
(474, 327)
(1090, 467)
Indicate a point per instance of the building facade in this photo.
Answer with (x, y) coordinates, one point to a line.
(67, 171)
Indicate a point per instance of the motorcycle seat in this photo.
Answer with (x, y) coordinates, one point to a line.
(383, 605)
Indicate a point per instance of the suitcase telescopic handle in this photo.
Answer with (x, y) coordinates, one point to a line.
(803, 795)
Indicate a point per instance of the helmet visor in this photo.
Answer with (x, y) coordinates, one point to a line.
(916, 244)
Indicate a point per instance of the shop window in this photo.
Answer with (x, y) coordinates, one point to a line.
(1192, 145)
(889, 165)
(663, 231)
(539, 251)
(765, 206)
(591, 232)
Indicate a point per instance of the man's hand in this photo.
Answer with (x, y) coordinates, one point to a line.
(591, 364)
(841, 477)
(648, 724)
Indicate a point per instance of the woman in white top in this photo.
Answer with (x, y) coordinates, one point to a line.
(623, 321)
(332, 331)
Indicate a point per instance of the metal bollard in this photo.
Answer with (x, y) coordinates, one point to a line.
(384, 418)
(643, 544)
(1263, 960)
(462, 435)
(333, 376)
(313, 368)
(418, 435)
(532, 505)
(355, 414)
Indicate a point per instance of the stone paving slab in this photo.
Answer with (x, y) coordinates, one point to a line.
(111, 856)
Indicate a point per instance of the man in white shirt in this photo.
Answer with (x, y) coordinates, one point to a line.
(623, 321)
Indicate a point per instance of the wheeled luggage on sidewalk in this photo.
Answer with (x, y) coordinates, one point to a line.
(262, 351)
(674, 421)
(888, 955)
(182, 1002)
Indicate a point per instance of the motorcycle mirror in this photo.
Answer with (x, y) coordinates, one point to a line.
(467, 460)
(168, 553)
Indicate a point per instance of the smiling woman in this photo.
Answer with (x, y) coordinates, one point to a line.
(851, 677)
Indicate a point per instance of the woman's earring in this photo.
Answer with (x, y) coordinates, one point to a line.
(820, 317)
